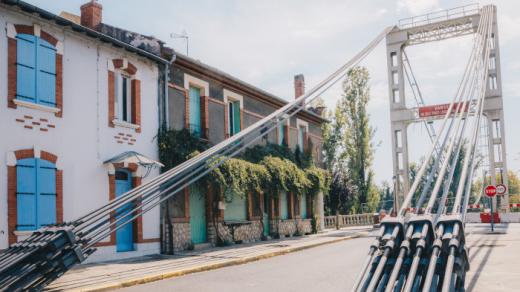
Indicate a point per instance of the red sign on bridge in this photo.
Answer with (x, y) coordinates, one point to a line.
(438, 110)
(491, 191)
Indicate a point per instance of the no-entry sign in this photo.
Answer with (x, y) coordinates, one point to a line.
(490, 190)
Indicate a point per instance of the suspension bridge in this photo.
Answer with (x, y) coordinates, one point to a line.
(422, 247)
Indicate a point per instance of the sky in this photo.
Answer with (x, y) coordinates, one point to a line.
(267, 42)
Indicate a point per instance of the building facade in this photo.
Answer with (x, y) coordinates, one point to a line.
(214, 106)
(78, 109)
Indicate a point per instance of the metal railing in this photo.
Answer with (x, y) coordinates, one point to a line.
(443, 15)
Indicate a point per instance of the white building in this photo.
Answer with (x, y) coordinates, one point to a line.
(76, 107)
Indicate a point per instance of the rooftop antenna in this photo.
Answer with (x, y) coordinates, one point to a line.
(183, 35)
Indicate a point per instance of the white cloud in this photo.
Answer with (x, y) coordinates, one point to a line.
(416, 7)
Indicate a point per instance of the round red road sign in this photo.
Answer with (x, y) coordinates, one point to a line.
(501, 189)
(490, 190)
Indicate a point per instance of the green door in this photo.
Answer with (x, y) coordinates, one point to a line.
(303, 206)
(197, 216)
(265, 218)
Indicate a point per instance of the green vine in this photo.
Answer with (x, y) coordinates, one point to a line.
(273, 168)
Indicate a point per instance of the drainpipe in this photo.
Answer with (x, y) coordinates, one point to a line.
(166, 73)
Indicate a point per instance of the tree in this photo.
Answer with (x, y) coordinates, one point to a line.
(359, 134)
(348, 147)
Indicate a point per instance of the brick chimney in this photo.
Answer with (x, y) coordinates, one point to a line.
(91, 14)
(299, 85)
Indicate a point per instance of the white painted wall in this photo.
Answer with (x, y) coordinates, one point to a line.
(81, 139)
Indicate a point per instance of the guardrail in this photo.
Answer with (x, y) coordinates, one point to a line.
(439, 16)
(339, 221)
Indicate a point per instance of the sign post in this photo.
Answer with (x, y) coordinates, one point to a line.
(491, 191)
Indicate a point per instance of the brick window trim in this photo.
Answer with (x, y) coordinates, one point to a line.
(12, 63)
(123, 65)
(138, 226)
(11, 190)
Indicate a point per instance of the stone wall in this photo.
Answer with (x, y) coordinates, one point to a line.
(181, 237)
(291, 227)
(245, 233)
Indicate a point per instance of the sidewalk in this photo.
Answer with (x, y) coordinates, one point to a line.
(118, 274)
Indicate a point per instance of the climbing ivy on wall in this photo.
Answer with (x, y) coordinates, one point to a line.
(273, 168)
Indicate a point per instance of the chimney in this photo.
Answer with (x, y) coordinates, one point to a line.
(91, 14)
(299, 85)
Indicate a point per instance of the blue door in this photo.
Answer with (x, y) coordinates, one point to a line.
(124, 235)
(197, 215)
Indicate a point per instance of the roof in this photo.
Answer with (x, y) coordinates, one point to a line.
(44, 14)
(231, 80)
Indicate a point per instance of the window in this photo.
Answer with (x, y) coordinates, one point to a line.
(284, 206)
(35, 193)
(395, 78)
(35, 70)
(236, 209)
(177, 204)
(303, 206)
(123, 97)
(296, 204)
(301, 137)
(256, 207)
(398, 139)
(393, 57)
(194, 106)
(233, 117)
(281, 134)
(395, 96)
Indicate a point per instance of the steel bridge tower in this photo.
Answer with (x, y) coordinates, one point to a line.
(431, 27)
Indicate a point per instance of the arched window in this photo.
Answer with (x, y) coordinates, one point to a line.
(35, 70)
(35, 193)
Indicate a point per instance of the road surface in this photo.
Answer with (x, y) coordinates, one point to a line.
(495, 266)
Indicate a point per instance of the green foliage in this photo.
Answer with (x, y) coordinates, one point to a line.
(349, 149)
(285, 176)
(274, 168)
(257, 153)
(177, 146)
(238, 176)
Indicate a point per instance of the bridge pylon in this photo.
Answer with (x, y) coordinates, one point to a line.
(431, 27)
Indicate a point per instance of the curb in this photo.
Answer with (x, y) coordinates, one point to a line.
(203, 268)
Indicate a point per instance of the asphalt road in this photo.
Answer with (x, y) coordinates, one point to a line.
(494, 266)
(331, 267)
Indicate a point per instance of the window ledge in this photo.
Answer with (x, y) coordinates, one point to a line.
(124, 124)
(36, 106)
(23, 232)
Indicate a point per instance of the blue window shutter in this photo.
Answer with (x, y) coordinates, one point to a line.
(46, 185)
(26, 67)
(284, 206)
(236, 116)
(26, 194)
(195, 125)
(46, 73)
(303, 206)
(300, 137)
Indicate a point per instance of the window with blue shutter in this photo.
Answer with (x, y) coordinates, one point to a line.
(281, 133)
(35, 193)
(35, 70)
(234, 117)
(195, 124)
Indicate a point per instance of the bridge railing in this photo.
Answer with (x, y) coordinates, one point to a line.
(338, 221)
